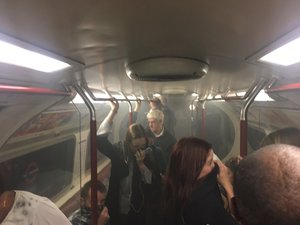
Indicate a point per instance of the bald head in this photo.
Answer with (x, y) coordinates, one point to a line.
(267, 186)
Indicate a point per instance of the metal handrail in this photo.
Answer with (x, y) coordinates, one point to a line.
(93, 125)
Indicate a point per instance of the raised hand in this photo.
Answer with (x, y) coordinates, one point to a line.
(103, 217)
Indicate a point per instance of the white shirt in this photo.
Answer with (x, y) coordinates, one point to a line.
(160, 134)
(31, 209)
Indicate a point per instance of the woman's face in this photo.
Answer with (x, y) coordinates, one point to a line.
(138, 144)
(208, 166)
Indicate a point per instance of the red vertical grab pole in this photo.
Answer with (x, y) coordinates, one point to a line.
(93, 129)
(93, 135)
(243, 138)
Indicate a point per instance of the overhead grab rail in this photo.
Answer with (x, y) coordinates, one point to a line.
(284, 88)
(231, 95)
(94, 98)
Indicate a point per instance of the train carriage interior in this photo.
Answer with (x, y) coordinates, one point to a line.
(206, 58)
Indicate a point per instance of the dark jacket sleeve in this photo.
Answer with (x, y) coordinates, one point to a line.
(105, 147)
(157, 161)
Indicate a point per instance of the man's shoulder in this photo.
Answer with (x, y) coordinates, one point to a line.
(168, 135)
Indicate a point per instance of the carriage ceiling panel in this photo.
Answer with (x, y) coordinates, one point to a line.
(105, 35)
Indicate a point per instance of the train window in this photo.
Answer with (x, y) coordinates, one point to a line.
(219, 130)
(46, 171)
(255, 137)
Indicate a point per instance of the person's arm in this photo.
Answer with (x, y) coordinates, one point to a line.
(136, 110)
(224, 178)
(105, 126)
(137, 105)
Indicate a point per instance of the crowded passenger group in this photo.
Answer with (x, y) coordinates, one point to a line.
(157, 180)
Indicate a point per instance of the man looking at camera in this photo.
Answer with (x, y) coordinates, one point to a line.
(83, 216)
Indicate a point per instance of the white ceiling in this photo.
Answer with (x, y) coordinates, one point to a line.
(105, 35)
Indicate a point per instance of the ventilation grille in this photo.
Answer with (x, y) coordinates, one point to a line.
(166, 69)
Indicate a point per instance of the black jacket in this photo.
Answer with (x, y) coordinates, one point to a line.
(206, 205)
(119, 169)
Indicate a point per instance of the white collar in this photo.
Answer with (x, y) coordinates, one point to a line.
(160, 134)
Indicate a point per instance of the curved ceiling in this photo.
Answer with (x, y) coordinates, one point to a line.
(106, 35)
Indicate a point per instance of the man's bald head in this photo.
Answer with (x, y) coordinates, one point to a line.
(267, 186)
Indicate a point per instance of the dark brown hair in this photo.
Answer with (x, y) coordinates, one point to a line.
(186, 162)
(85, 189)
(135, 131)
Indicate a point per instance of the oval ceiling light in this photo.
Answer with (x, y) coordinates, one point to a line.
(166, 69)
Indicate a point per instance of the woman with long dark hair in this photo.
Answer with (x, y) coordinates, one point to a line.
(191, 195)
(135, 182)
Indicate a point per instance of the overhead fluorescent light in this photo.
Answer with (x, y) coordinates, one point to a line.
(285, 55)
(15, 55)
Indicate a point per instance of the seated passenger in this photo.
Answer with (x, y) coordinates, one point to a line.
(192, 195)
(289, 135)
(135, 183)
(25, 208)
(267, 186)
(83, 216)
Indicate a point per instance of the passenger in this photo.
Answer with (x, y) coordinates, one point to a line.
(170, 119)
(155, 103)
(161, 137)
(160, 103)
(267, 185)
(192, 195)
(83, 216)
(289, 135)
(232, 164)
(135, 184)
(25, 208)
